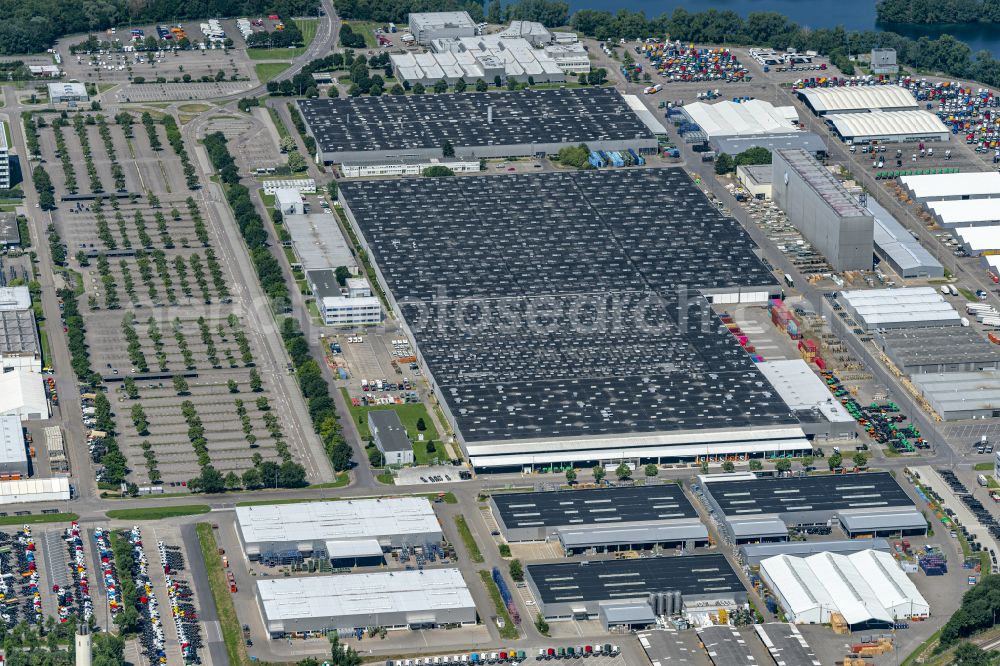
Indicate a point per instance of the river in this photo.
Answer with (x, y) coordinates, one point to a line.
(852, 14)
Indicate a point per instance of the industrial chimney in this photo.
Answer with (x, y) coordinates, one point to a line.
(83, 648)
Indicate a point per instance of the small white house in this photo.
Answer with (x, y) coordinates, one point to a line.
(390, 437)
(289, 201)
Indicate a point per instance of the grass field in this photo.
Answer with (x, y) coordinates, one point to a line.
(307, 26)
(470, 541)
(279, 125)
(509, 631)
(158, 512)
(449, 498)
(42, 518)
(409, 414)
(984, 467)
(232, 634)
(276, 54)
(268, 70)
(367, 30)
(193, 108)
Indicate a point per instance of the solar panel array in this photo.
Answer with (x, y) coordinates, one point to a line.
(566, 304)
(394, 122)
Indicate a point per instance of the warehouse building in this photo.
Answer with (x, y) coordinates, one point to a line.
(311, 529)
(888, 127)
(390, 437)
(868, 589)
(471, 59)
(19, 345)
(977, 241)
(857, 99)
(10, 234)
(301, 185)
(647, 117)
(428, 26)
(407, 167)
(24, 491)
(956, 396)
(67, 93)
(935, 350)
(520, 397)
(319, 243)
(756, 179)
(819, 413)
(908, 307)
(522, 123)
(953, 213)
(422, 599)
(898, 248)
(13, 452)
(532, 31)
(572, 59)
(356, 307)
(827, 214)
(22, 392)
(602, 520)
(752, 554)
(952, 186)
(732, 127)
(764, 509)
(4, 158)
(624, 592)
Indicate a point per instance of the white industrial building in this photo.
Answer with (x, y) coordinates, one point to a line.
(288, 201)
(14, 298)
(867, 588)
(472, 58)
(66, 92)
(808, 397)
(647, 117)
(977, 241)
(948, 186)
(570, 58)
(961, 395)
(899, 308)
(353, 306)
(952, 213)
(896, 246)
(22, 393)
(13, 453)
(532, 31)
(751, 118)
(314, 528)
(319, 243)
(4, 158)
(428, 26)
(300, 185)
(857, 99)
(889, 127)
(406, 168)
(394, 600)
(34, 490)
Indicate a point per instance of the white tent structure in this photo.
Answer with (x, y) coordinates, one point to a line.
(866, 588)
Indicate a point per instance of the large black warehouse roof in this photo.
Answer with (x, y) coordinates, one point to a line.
(393, 122)
(610, 580)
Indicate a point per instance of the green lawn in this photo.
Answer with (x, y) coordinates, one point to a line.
(984, 467)
(232, 634)
(408, 414)
(268, 70)
(276, 54)
(342, 480)
(470, 541)
(509, 631)
(158, 512)
(307, 26)
(278, 124)
(41, 518)
(367, 30)
(968, 293)
(449, 497)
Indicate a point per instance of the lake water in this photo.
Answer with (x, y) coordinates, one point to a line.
(852, 14)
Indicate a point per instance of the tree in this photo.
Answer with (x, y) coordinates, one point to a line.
(755, 465)
(724, 164)
(375, 457)
(704, 466)
(516, 571)
(755, 155)
(571, 476)
(728, 467)
(139, 419)
(430, 446)
(623, 472)
(968, 654)
(504, 550)
(287, 144)
(807, 461)
(437, 171)
(481, 86)
(251, 479)
(421, 426)
(341, 455)
(332, 92)
(233, 386)
(540, 624)
(651, 470)
(181, 385)
(296, 162)
(460, 86)
(860, 459)
(599, 473)
(396, 89)
(418, 88)
(210, 480)
(497, 81)
(255, 383)
(835, 461)
(783, 465)
(441, 87)
(232, 480)
(447, 150)
(342, 273)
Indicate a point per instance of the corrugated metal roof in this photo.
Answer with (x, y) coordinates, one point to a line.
(887, 123)
(583, 537)
(757, 526)
(348, 549)
(856, 520)
(937, 186)
(858, 98)
(627, 613)
(751, 118)
(953, 212)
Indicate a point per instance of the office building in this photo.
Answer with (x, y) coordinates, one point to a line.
(288, 201)
(390, 437)
(4, 159)
(428, 26)
(67, 93)
(883, 61)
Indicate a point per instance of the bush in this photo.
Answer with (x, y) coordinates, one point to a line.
(575, 156)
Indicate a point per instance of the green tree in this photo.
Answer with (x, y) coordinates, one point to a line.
(255, 383)
(210, 480)
(251, 479)
(447, 150)
(180, 385)
(755, 155)
(441, 87)
(139, 419)
(333, 92)
(287, 144)
(342, 273)
(571, 476)
(516, 571)
(540, 624)
(724, 164)
(296, 162)
(599, 473)
(396, 89)
(755, 465)
(340, 456)
(623, 472)
(481, 86)
(460, 86)
(233, 386)
(375, 457)
(835, 461)
(651, 470)
(232, 480)
(968, 654)
(504, 550)
(421, 426)
(783, 464)
(807, 461)
(418, 88)
(860, 459)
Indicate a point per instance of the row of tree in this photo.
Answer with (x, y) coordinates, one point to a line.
(725, 163)
(938, 11)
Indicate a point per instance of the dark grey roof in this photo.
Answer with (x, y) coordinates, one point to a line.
(634, 504)
(391, 433)
(755, 552)
(568, 334)
(913, 347)
(603, 580)
(393, 122)
(734, 145)
(9, 233)
(832, 493)
(631, 533)
(786, 644)
(725, 647)
(323, 283)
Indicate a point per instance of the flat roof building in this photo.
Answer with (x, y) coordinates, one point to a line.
(605, 519)
(536, 33)
(307, 528)
(823, 210)
(374, 130)
(13, 452)
(957, 396)
(820, 414)
(764, 509)
(67, 92)
(756, 179)
(521, 397)
(953, 213)
(472, 59)
(952, 186)
(390, 437)
(889, 127)
(10, 234)
(23, 393)
(580, 590)
(301, 185)
(898, 248)
(4, 161)
(883, 61)
(857, 99)
(932, 350)
(288, 201)
(428, 26)
(358, 307)
(907, 307)
(977, 241)
(868, 588)
(319, 243)
(55, 489)
(407, 167)
(752, 554)
(394, 599)
(14, 298)
(19, 345)
(732, 127)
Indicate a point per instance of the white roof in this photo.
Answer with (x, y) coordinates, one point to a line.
(887, 123)
(287, 195)
(885, 307)
(363, 593)
(337, 521)
(859, 98)
(751, 118)
(67, 88)
(953, 212)
(941, 185)
(22, 391)
(318, 241)
(14, 298)
(425, 20)
(34, 490)
(863, 586)
(802, 389)
(645, 115)
(979, 239)
(360, 548)
(12, 449)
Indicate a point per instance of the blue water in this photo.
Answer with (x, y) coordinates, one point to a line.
(851, 14)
